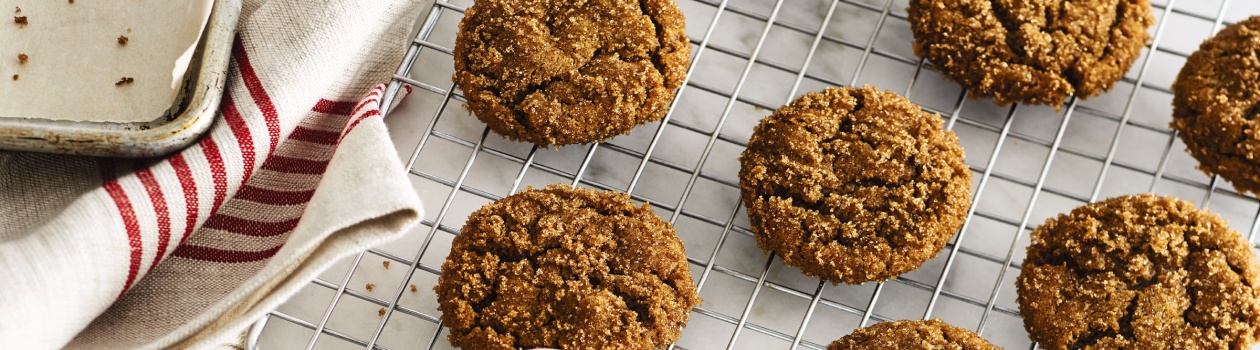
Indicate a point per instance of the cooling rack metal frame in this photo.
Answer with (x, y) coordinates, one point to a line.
(706, 262)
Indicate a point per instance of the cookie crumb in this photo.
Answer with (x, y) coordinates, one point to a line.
(125, 81)
(17, 10)
(22, 58)
(380, 312)
(370, 287)
(71, 2)
(413, 288)
(385, 263)
(122, 40)
(20, 20)
(15, 77)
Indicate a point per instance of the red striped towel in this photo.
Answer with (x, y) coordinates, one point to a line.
(187, 251)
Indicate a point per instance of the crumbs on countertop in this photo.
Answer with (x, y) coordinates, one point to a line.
(123, 39)
(20, 20)
(370, 287)
(15, 77)
(125, 81)
(413, 288)
(22, 58)
(385, 263)
(381, 312)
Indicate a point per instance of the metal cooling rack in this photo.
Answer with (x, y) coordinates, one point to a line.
(1030, 163)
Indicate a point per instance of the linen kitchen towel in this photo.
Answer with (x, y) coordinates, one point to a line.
(187, 251)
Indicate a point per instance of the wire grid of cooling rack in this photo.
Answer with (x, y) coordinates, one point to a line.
(1030, 163)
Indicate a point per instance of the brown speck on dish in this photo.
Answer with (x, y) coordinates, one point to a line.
(72, 1)
(22, 58)
(381, 312)
(17, 10)
(122, 40)
(15, 77)
(413, 288)
(20, 20)
(370, 287)
(125, 81)
(385, 263)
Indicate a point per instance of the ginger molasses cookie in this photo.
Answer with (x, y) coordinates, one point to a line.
(559, 72)
(1031, 51)
(909, 335)
(1216, 105)
(568, 269)
(1139, 272)
(853, 185)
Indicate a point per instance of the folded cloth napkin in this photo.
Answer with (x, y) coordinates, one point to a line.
(187, 251)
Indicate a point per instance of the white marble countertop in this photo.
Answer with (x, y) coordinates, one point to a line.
(775, 317)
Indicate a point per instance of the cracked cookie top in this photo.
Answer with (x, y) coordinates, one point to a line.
(559, 72)
(1040, 52)
(853, 185)
(1139, 272)
(567, 269)
(920, 334)
(1216, 105)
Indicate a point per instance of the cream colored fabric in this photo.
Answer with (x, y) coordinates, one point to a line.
(187, 251)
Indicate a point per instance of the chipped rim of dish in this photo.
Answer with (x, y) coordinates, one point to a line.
(183, 123)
